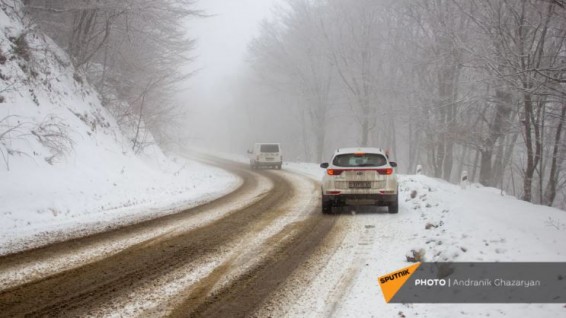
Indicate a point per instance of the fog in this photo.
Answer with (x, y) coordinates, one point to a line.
(455, 86)
(230, 108)
(219, 67)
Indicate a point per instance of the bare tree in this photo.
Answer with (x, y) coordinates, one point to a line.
(121, 45)
(472, 85)
(288, 55)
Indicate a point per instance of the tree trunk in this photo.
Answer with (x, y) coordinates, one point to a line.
(498, 163)
(550, 191)
(527, 131)
(448, 160)
(393, 138)
(476, 160)
(461, 162)
(497, 129)
(438, 160)
(485, 166)
(506, 159)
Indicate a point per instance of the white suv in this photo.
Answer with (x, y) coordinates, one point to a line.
(360, 174)
(266, 155)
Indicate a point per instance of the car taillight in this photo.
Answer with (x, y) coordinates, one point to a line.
(387, 171)
(334, 172)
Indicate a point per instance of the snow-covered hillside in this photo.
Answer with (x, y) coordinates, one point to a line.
(65, 166)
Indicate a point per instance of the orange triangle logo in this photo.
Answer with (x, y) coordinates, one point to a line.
(392, 282)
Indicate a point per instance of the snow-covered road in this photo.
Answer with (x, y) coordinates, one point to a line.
(150, 267)
(266, 250)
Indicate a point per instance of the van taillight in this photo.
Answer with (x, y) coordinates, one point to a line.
(385, 171)
(334, 172)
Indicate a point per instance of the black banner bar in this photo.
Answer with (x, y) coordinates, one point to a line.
(485, 283)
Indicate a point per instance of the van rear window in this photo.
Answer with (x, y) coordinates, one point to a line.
(359, 160)
(269, 148)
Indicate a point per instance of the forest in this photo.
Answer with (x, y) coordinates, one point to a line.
(132, 52)
(453, 85)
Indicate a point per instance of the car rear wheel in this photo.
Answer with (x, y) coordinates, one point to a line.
(326, 205)
(394, 206)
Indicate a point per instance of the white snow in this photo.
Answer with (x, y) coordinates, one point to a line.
(474, 224)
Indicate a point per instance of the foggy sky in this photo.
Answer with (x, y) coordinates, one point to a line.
(220, 53)
(222, 41)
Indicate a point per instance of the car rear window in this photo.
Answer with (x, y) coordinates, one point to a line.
(269, 148)
(359, 160)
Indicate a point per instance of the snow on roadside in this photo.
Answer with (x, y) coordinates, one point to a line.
(52, 205)
(449, 224)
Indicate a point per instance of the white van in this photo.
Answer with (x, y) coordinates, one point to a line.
(266, 155)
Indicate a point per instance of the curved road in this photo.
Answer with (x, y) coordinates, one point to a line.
(227, 265)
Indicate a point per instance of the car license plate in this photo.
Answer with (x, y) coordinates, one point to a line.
(359, 184)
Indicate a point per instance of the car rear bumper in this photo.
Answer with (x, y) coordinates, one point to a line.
(268, 163)
(378, 198)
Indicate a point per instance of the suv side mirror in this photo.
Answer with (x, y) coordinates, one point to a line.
(324, 165)
(393, 164)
